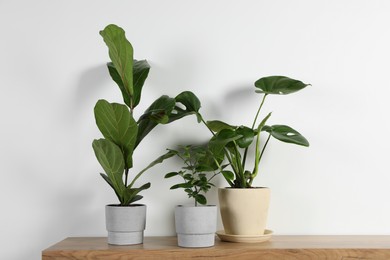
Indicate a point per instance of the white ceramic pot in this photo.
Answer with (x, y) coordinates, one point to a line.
(125, 224)
(244, 211)
(196, 226)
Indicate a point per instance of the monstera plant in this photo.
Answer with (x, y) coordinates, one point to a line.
(244, 207)
(232, 142)
(122, 133)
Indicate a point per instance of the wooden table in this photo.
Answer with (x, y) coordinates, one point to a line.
(279, 247)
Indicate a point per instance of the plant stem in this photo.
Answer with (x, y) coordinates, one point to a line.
(253, 125)
(126, 174)
(258, 111)
(261, 154)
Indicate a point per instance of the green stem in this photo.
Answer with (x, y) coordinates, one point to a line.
(126, 174)
(261, 154)
(253, 125)
(258, 111)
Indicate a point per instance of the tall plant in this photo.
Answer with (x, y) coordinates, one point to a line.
(122, 133)
(232, 142)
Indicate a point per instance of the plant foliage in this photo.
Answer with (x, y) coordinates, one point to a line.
(232, 142)
(122, 133)
(199, 168)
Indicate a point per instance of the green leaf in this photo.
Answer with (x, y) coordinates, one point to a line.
(158, 112)
(110, 158)
(159, 159)
(228, 175)
(181, 185)
(131, 193)
(171, 174)
(121, 54)
(191, 103)
(217, 126)
(141, 71)
(279, 85)
(247, 136)
(117, 125)
(200, 199)
(117, 78)
(218, 142)
(287, 134)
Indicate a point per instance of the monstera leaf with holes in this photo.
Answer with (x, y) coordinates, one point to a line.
(122, 133)
(232, 142)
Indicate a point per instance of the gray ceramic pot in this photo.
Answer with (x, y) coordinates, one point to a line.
(125, 224)
(196, 226)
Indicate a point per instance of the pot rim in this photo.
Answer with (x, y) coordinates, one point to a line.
(231, 188)
(126, 206)
(192, 206)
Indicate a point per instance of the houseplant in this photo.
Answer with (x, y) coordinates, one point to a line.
(244, 208)
(195, 224)
(122, 134)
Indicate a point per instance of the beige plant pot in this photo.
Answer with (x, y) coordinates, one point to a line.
(244, 211)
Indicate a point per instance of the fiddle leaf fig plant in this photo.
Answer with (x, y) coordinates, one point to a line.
(232, 142)
(122, 133)
(199, 168)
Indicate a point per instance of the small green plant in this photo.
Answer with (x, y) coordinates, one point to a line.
(198, 170)
(122, 133)
(232, 142)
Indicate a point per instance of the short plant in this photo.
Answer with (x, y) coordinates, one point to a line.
(232, 142)
(197, 172)
(122, 133)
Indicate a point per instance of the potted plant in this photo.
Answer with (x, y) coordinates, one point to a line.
(122, 134)
(195, 224)
(244, 208)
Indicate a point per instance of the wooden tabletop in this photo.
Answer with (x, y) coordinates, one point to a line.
(279, 247)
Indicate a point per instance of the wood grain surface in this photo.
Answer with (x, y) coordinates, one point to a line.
(279, 247)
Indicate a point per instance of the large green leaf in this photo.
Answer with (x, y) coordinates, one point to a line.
(121, 54)
(118, 125)
(110, 158)
(141, 71)
(218, 142)
(286, 134)
(217, 126)
(279, 85)
(117, 78)
(131, 194)
(158, 112)
(191, 103)
(247, 136)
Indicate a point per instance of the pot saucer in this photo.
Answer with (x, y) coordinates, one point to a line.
(244, 238)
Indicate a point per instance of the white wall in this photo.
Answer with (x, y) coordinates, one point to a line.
(52, 71)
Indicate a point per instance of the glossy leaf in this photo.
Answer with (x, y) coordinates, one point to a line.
(217, 126)
(183, 185)
(110, 158)
(200, 199)
(287, 134)
(171, 174)
(117, 78)
(131, 196)
(247, 136)
(117, 124)
(121, 54)
(228, 175)
(191, 103)
(140, 73)
(279, 85)
(218, 142)
(158, 112)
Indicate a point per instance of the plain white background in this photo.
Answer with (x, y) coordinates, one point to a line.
(52, 72)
